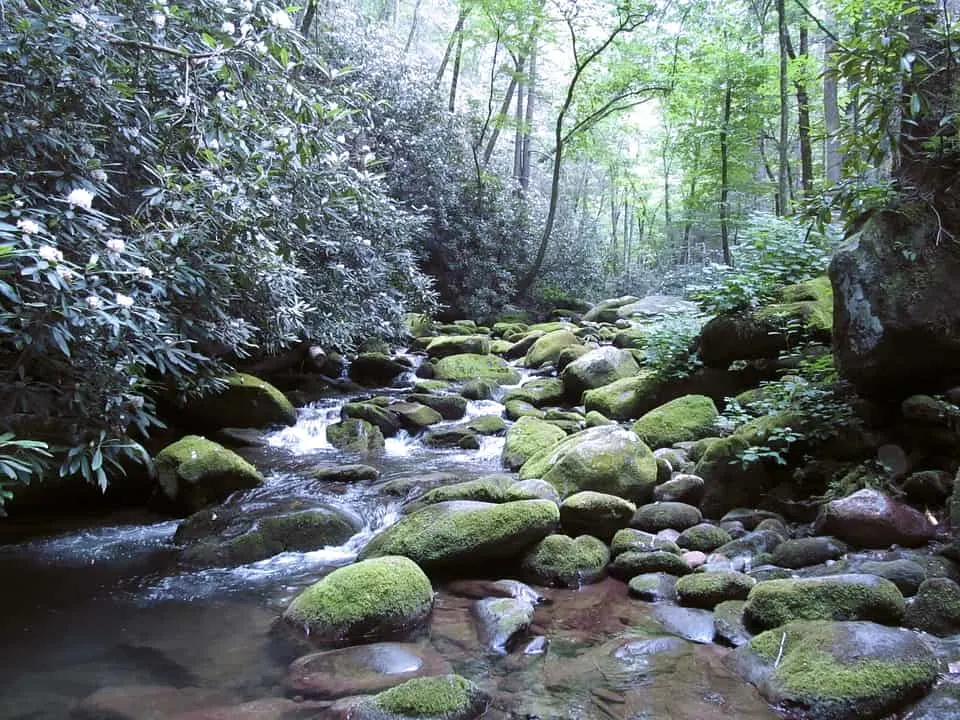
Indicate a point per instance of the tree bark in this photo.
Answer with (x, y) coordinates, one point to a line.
(803, 123)
(783, 170)
(724, 174)
(451, 44)
(455, 80)
(833, 160)
(527, 154)
(413, 27)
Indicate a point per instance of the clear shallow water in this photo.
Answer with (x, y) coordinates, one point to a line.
(111, 605)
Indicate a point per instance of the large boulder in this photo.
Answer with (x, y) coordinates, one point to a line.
(936, 608)
(376, 369)
(458, 344)
(838, 670)
(195, 472)
(548, 347)
(527, 437)
(598, 368)
(470, 366)
(566, 562)
(246, 401)
(835, 597)
(606, 459)
(459, 535)
(871, 519)
(897, 305)
(687, 418)
(355, 435)
(597, 514)
(627, 398)
(539, 392)
(376, 599)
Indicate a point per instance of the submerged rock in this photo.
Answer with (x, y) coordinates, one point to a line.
(499, 620)
(653, 587)
(376, 599)
(838, 670)
(148, 702)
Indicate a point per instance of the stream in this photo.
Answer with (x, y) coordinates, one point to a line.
(110, 605)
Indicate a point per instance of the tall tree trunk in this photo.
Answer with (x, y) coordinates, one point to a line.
(724, 173)
(518, 136)
(455, 80)
(833, 161)
(504, 109)
(413, 27)
(803, 122)
(451, 44)
(527, 154)
(783, 170)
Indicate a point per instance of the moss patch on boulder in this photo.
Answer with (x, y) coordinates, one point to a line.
(548, 347)
(566, 562)
(355, 435)
(448, 697)
(597, 514)
(625, 399)
(708, 589)
(247, 401)
(194, 472)
(470, 366)
(372, 599)
(527, 437)
(685, 419)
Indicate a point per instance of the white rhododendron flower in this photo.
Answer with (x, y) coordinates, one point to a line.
(228, 27)
(28, 227)
(159, 20)
(80, 198)
(116, 245)
(99, 175)
(50, 254)
(66, 273)
(144, 272)
(123, 301)
(94, 302)
(280, 19)
(78, 21)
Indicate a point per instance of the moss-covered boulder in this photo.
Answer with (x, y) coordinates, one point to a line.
(632, 540)
(516, 409)
(569, 354)
(687, 418)
(704, 537)
(837, 597)
(452, 436)
(478, 389)
(447, 345)
(355, 435)
(597, 514)
(682, 487)
(376, 369)
(450, 407)
(446, 697)
(708, 589)
(597, 368)
(195, 472)
(375, 414)
(459, 535)
(559, 560)
(729, 482)
(838, 670)
(653, 587)
(414, 417)
(539, 392)
(936, 608)
(630, 564)
(375, 599)
(606, 459)
(804, 552)
(548, 347)
(470, 366)
(487, 425)
(527, 437)
(666, 516)
(246, 401)
(489, 488)
(627, 398)
(236, 535)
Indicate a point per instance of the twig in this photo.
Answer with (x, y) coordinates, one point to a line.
(783, 639)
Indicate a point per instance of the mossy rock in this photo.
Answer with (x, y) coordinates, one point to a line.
(516, 409)
(704, 537)
(666, 516)
(839, 670)
(376, 599)
(681, 487)
(507, 330)
(632, 540)
(458, 535)
(450, 407)
(552, 326)
(500, 347)
(688, 418)
(627, 398)
(490, 489)
(605, 459)
(487, 425)
(195, 472)
(452, 436)
(597, 419)
(559, 560)
(569, 354)
(837, 597)
(804, 552)
(538, 392)
(478, 389)
(413, 416)
(597, 514)
(527, 437)
(728, 484)
(355, 435)
(936, 608)
(445, 697)
(653, 587)
(630, 564)
(548, 347)
(470, 366)
(708, 589)
(247, 401)
(632, 338)
(444, 346)
(728, 619)
(375, 414)
(598, 368)
(431, 386)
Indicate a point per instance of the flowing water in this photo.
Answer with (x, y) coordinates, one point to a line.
(111, 606)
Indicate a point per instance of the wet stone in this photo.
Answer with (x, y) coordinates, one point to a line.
(694, 625)
(653, 587)
(499, 620)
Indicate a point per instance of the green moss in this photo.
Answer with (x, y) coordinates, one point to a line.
(839, 597)
(492, 489)
(562, 560)
(687, 418)
(812, 317)
(458, 344)
(355, 435)
(247, 401)
(703, 537)
(819, 289)
(626, 398)
(548, 348)
(431, 386)
(552, 327)
(381, 594)
(196, 461)
(708, 589)
(470, 366)
(527, 437)
(632, 540)
(936, 608)
(667, 516)
(596, 419)
(538, 392)
(429, 697)
(487, 425)
(455, 534)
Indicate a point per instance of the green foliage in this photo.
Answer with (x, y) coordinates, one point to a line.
(670, 345)
(195, 186)
(20, 460)
(774, 252)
